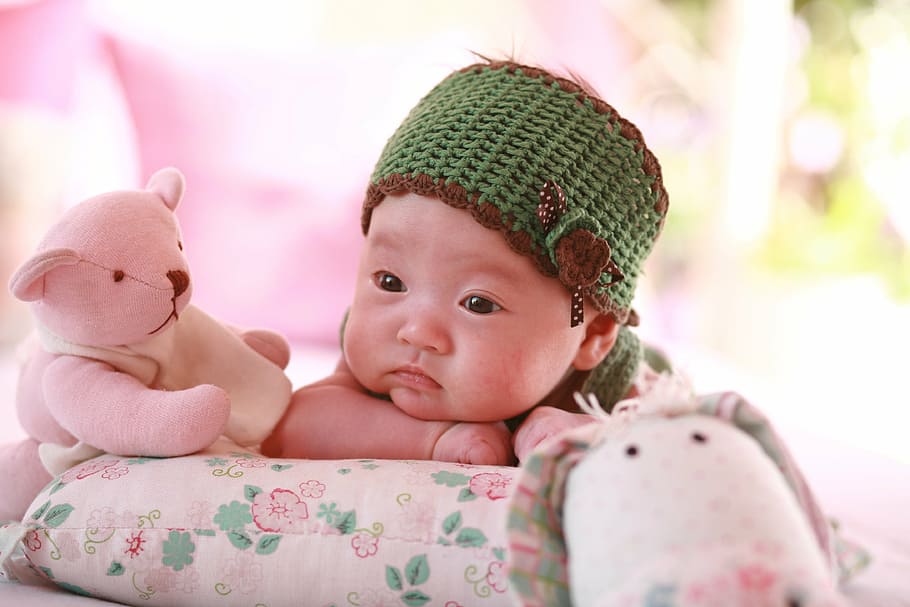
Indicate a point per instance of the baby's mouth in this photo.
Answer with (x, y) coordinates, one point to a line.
(415, 377)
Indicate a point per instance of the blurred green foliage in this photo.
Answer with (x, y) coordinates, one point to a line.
(841, 219)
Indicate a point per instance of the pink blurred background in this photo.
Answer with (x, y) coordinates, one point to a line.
(276, 113)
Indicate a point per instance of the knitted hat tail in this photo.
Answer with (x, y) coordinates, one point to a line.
(612, 379)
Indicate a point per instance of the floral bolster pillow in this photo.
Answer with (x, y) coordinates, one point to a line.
(240, 529)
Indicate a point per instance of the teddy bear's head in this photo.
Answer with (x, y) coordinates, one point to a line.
(112, 270)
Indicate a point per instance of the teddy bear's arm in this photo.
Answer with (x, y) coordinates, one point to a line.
(115, 412)
(269, 344)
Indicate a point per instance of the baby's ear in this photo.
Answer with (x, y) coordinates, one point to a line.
(169, 184)
(600, 336)
(27, 283)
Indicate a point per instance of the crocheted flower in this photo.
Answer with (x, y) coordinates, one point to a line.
(582, 258)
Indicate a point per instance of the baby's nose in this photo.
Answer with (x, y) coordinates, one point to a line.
(180, 280)
(425, 332)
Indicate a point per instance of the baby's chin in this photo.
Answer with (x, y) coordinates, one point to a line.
(442, 407)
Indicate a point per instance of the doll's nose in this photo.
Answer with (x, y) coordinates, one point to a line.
(425, 332)
(180, 280)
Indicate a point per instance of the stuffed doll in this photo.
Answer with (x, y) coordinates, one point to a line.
(669, 502)
(121, 362)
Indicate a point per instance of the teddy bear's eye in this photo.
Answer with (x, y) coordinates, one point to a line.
(632, 451)
(179, 245)
(118, 275)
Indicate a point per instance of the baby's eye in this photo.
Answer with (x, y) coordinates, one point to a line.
(389, 282)
(180, 245)
(480, 305)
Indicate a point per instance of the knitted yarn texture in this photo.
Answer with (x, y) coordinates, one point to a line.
(566, 179)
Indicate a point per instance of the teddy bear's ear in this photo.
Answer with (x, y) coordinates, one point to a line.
(167, 183)
(27, 283)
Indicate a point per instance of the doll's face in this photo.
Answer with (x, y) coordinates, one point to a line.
(450, 322)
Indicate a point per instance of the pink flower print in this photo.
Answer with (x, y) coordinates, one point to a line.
(312, 488)
(416, 519)
(365, 544)
(200, 513)
(187, 580)
(493, 485)
(32, 541)
(112, 473)
(251, 463)
(68, 546)
(102, 518)
(452, 604)
(161, 579)
(755, 578)
(87, 469)
(497, 577)
(241, 573)
(378, 598)
(279, 511)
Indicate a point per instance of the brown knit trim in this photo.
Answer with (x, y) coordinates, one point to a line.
(650, 164)
(489, 216)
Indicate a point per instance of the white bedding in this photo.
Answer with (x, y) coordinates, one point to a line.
(867, 493)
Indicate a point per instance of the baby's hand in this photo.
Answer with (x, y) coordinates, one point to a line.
(541, 424)
(475, 443)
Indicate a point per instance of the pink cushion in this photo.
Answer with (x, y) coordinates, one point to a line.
(242, 530)
(43, 43)
(274, 175)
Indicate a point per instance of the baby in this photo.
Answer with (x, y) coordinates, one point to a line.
(506, 224)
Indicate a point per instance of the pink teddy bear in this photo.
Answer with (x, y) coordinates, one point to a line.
(122, 362)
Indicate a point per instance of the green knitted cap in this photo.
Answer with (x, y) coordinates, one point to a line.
(566, 179)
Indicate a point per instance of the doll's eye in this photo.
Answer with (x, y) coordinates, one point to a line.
(480, 305)
(698, 437)
(632, 451)
(389, 282)
(118, 275)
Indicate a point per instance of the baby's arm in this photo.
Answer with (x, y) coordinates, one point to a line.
(335, 418)
(542, 423)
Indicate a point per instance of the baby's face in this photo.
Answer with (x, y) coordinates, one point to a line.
(449, 321)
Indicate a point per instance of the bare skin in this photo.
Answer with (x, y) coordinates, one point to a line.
(445, 320)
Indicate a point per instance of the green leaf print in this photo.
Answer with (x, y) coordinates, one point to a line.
(57, 487)
(40, 511)
(393, 578)
(452, 522)
(414, 598)
(116, 569)
(178, 550)
(57, 515)
(250, 492)
(267, 544)
(499, 553)
(281, 467)
(450, 479)
(74, 589)
(417, 571)
(239, 539)
(470, 538)
(346, 522)
(466, 495)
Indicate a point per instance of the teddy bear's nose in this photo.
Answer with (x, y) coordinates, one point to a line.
(180, 280)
